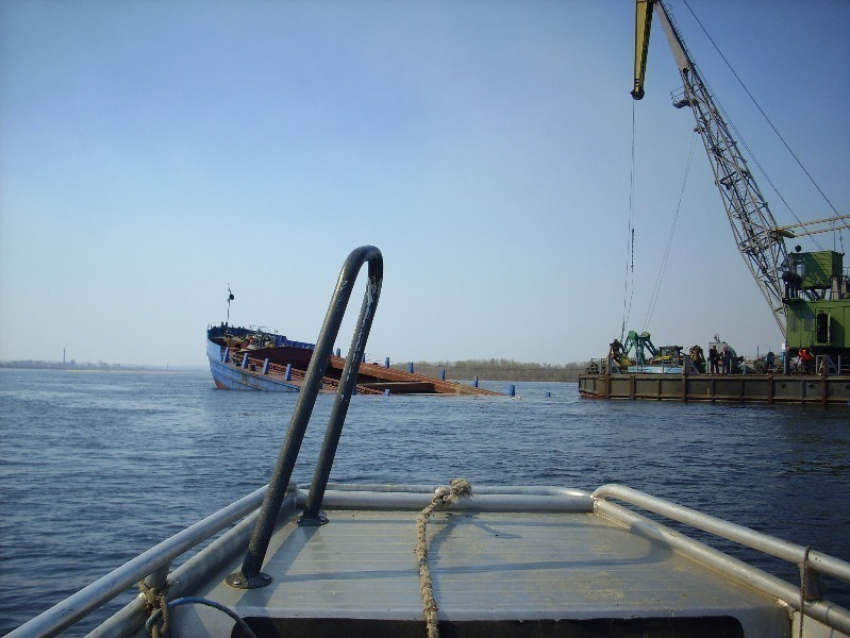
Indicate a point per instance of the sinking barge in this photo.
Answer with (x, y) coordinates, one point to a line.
(256, 359)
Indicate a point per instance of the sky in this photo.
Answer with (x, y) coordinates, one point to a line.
(154, 153)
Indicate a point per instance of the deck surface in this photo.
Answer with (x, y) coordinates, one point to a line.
(487, 566)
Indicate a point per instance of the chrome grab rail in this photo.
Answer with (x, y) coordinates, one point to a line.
(249, 575)
(830, 614)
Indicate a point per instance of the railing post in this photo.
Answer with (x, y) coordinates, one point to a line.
(250, 576)
(158, 578)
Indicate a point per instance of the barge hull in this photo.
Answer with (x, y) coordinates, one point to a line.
(719, 388)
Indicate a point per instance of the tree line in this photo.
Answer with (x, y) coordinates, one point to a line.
(498, 370)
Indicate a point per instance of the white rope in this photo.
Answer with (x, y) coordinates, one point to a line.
(443, 497)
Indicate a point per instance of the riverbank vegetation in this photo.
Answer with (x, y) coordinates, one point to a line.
(497, 370)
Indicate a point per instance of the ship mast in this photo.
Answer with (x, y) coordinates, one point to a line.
(230, 298)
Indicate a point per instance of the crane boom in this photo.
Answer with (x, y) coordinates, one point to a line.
(643, 25)
(815, 227)
(752, 223)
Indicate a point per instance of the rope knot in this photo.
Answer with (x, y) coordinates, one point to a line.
(155, 601)
(443, 497)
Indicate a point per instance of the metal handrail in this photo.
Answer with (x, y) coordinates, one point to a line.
(76, 607)
(829, 613)
(249, 575)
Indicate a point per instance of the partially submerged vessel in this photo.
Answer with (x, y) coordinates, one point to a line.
(257, 359)
(390, 560)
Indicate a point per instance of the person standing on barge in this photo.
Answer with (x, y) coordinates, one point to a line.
(727, 360)
(712, 359)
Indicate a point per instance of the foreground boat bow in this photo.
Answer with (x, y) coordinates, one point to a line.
(525, 561)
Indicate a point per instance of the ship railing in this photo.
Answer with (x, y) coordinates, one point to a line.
(827, 365)
(805, 598)
(258, 364)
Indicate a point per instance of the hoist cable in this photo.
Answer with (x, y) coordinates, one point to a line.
(758, 106)
(628, 292)
(663, 268)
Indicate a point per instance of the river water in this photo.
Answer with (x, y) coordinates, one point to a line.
(96, 467)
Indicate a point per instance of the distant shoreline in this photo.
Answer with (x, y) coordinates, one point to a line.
(128, 369)
(86, 367)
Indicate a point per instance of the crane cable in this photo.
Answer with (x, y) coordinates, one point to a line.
(663, 267)
(766, 118)
(629, 291)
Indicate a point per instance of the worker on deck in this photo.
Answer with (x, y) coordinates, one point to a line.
(807, 360)
(726, 359)
(713, 358)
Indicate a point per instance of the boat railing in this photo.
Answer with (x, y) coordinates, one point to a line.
(805, 598)
(151, 566)
(250, 576)
(245, 359)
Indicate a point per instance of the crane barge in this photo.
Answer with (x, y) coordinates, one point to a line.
(808, 292)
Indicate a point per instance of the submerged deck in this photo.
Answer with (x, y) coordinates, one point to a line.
(561, 570)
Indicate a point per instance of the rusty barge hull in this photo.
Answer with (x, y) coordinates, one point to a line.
(719, 388)
(277, 364)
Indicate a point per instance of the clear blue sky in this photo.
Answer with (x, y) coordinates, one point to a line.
(151, 153)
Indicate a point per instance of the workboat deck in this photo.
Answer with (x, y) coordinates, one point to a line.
(507, 561)
(534, 562)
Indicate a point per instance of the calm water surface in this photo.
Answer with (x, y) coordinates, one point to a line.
(97, 467)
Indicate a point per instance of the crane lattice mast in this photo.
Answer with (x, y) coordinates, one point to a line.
(752, 223)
